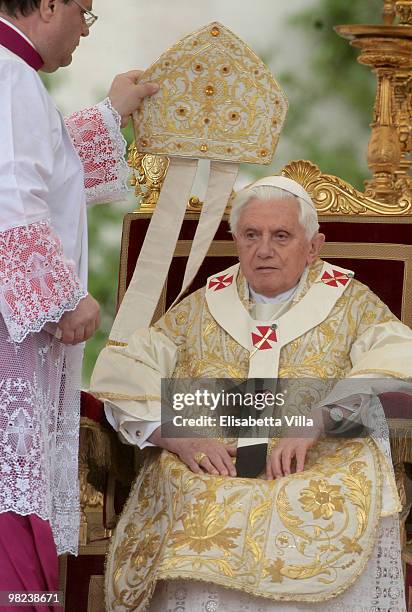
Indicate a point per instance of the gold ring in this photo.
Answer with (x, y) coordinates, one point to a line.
(199, 456)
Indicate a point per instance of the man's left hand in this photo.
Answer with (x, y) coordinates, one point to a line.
(127, 93)
(290, 451)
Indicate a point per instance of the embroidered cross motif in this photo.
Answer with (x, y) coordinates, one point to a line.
(335, 278)
(262, 340)
(39, 269)
(23, 429)
(220, 282)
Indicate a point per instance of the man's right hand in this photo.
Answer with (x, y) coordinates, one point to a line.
(127, 92)
(217, 459)
(79, 325)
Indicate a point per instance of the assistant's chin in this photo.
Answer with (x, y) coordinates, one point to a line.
(67, 61)
(55, 65)
(49, 68)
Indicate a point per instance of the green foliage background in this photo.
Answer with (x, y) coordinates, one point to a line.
(331, 99)
(331, 102)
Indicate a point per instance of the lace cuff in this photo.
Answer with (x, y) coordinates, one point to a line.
(37, 284)
(96, 135)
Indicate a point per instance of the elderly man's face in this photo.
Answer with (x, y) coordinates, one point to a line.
(272, 246)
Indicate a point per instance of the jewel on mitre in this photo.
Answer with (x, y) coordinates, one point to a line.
(335, 278)
(263, 338)
(220, 282)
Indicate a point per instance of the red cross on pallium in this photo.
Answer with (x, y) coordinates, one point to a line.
(220, 282)
(263, 333)
(335, 278)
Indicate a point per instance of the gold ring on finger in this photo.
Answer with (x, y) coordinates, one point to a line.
(199, 456)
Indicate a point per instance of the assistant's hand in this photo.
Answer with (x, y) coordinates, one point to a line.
(280, 462)
(126, 93)
(217, 460)
(79, 324)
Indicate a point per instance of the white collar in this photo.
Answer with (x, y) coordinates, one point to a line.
(278, 299)
(16, 29)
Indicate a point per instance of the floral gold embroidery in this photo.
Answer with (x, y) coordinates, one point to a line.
(275, 570)
(350, 546)
(205, 524)
(146, 551)
(181, 318)
(322, 499)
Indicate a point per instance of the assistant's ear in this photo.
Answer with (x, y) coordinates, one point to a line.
(47, 9)
(315, 246)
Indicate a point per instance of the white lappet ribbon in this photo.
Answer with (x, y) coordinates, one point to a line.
(142, 296)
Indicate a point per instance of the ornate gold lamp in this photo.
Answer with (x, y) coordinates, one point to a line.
(387, 49)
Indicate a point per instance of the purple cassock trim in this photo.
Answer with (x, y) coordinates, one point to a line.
(15, 43)
(28, 557)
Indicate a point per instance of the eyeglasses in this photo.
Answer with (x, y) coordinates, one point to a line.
(88, 16)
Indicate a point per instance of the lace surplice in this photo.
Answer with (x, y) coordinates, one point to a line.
(95, 133)
(40, 377)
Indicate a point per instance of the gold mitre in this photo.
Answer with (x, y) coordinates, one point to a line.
(217, 100)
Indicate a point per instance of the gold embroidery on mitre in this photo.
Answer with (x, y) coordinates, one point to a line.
(217, 100)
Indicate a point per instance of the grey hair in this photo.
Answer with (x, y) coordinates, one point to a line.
(307, 215)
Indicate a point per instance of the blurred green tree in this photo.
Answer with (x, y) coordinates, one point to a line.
(331, 98)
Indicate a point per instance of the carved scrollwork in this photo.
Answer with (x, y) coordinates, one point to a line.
(404, 11)
(334, 196)
(403, 118)
(89, 499)
(388, 13)
(149, 173)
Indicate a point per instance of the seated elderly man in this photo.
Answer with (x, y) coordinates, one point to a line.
(317, 529)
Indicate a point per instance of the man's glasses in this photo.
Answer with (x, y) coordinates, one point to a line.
(88, 16)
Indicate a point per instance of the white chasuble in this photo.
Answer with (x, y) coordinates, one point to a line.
(49, 170)
(294, 543)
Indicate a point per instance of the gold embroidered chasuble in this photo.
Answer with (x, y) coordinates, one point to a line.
(304, 537)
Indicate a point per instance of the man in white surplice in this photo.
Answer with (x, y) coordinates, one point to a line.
(49, 169)
(320, 522)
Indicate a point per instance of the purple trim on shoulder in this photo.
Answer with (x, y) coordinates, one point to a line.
(15, 43)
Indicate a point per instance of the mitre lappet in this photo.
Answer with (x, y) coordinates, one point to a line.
(217, 101)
